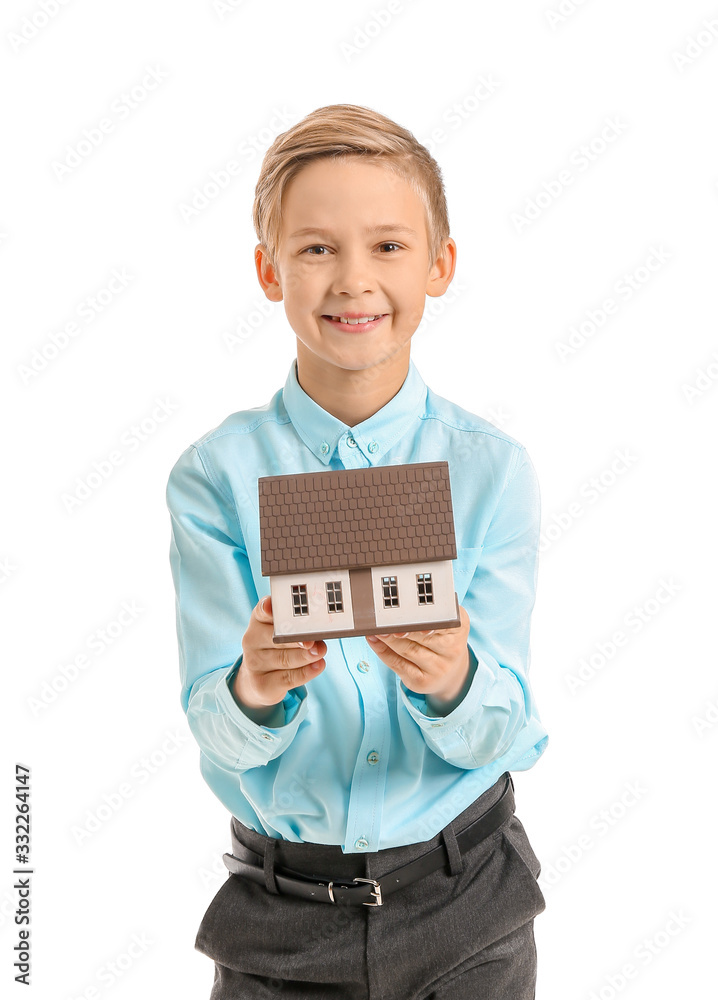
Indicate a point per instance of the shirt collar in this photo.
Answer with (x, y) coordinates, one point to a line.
(321, 432)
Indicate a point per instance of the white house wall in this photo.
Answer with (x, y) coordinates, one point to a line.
(409, 610)
(287, 623)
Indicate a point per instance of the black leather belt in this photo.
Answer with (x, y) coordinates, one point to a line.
(337, 891)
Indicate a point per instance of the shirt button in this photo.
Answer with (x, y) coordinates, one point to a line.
(373, 757)
(361, 843)
(436, 725)
(363, 666)
(324, 448)
(266, 736)
(373, 447)
(351, 442)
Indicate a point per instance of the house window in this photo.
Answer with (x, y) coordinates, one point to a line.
(424, 588)
(334, 596)
(390, 591)
(300, 605)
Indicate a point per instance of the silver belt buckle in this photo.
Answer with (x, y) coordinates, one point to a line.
(376, 893)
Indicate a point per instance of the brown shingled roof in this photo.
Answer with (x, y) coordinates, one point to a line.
(354, 518)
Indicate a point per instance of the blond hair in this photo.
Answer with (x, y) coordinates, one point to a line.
(341, 131)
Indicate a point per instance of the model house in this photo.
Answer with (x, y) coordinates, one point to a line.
(359, 551)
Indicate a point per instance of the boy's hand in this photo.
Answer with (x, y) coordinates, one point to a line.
(434, 663)
(268, 670)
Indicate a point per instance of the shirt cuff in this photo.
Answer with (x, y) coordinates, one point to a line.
(264, 743)
(446, 727)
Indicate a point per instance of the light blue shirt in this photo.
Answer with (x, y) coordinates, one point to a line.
(358, 761)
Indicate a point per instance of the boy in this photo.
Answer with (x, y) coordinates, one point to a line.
(375, 849)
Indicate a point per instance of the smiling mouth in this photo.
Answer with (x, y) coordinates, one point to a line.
(355, 321)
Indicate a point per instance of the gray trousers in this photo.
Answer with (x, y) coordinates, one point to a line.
(464, 932)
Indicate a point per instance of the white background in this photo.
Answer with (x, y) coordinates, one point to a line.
(636, 735)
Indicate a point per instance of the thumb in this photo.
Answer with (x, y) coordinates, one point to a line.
(263, 610)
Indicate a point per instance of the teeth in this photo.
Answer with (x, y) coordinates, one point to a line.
(355, 322)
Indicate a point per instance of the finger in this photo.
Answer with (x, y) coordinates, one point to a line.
(292, 655)
(296, 675)
(307, 672)
(404, 641)
(275, 682)
(413, 674)
(263, 611)
(406, 650)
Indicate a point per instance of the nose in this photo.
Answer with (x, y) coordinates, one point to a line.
(352, 275)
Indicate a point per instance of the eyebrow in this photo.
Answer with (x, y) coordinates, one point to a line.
(388, 227)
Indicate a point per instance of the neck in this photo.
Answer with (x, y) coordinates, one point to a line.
(351, 396)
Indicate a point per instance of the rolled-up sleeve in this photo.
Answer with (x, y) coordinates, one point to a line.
(215, 594)
(499, 601)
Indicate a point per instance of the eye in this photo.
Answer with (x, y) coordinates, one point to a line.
(317, 246)
(391, 245)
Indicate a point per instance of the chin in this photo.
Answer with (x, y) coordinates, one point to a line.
(363, 364)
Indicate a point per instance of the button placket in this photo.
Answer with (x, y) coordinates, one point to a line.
(350, 454)
(369, 777)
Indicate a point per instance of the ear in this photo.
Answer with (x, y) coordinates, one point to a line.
(442, 272)
(267, 274)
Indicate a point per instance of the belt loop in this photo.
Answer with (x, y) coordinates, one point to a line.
(452, 849)
(269, 878)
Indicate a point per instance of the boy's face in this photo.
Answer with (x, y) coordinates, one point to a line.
(342, 266)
